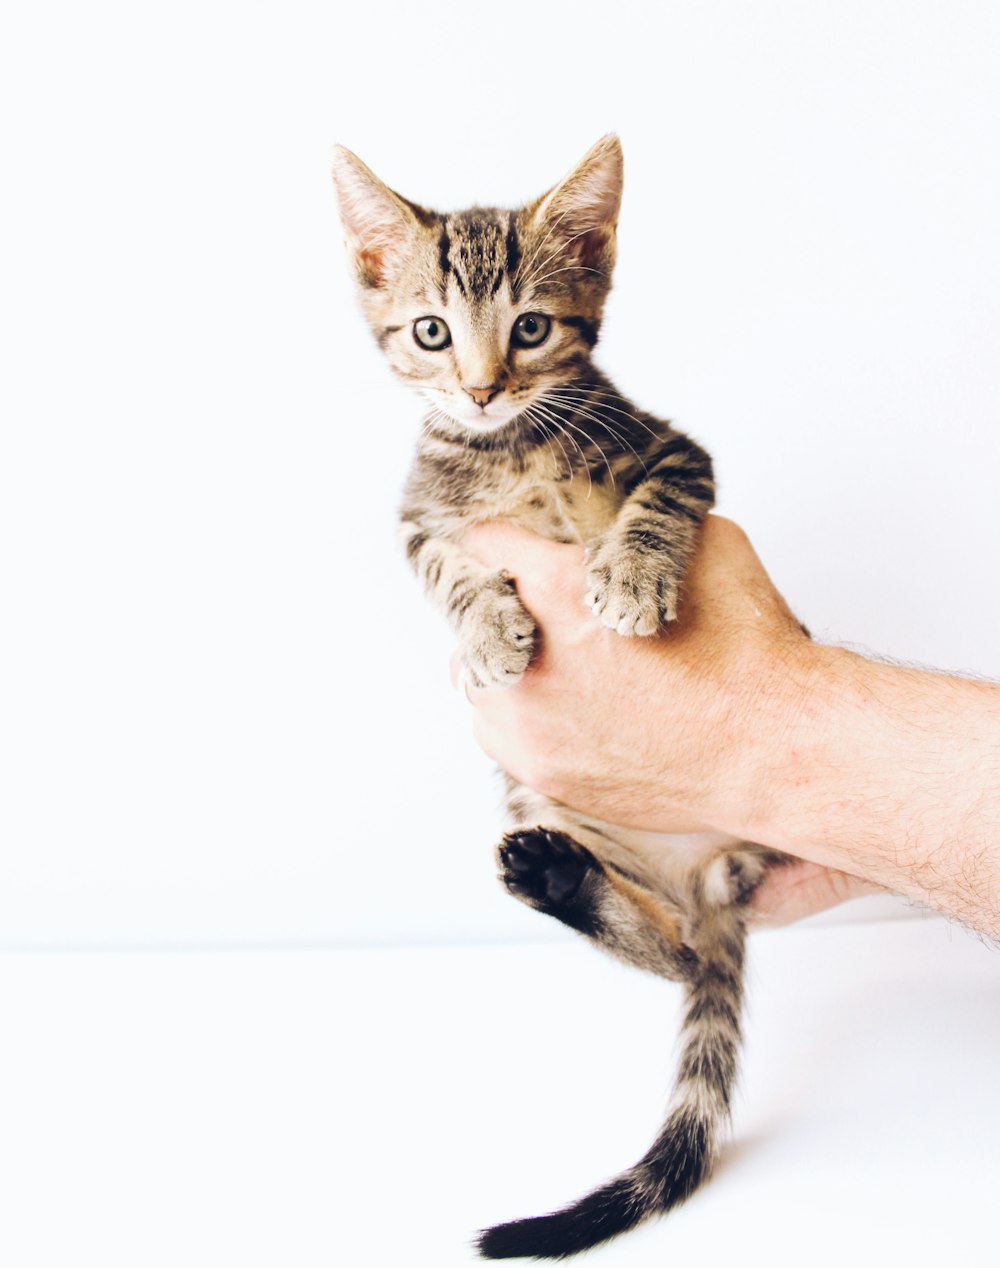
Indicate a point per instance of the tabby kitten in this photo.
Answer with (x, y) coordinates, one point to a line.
(492, 316)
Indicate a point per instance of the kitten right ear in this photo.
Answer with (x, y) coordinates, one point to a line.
(380, 226)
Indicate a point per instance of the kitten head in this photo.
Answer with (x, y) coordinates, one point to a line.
(487, 313)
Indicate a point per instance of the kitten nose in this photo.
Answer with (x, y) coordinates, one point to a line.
(483, 395)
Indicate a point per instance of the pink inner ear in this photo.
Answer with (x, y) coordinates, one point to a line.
(591, 246)
(586, 208)
(375, 224)
(373, 258)
(375, 238)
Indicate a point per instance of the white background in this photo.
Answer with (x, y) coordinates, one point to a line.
(224, 708)
(372, 1109)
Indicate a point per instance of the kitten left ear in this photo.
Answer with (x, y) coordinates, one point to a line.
(380, 226)
(582, 210)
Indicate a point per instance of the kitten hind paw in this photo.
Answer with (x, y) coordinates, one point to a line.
(551, 872)
(731, 877)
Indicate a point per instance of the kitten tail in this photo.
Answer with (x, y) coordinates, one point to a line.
(683, 1153)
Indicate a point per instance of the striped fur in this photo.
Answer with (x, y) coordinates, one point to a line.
(682, 1153)
(523, 426)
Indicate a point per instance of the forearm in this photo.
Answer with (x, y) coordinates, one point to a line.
(733, 719)
(883, 771)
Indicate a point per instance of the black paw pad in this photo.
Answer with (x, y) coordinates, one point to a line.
(545, 868)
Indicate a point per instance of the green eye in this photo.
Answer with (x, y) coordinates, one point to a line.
(530, 330)
(431, 333)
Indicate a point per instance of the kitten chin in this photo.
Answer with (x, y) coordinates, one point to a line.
(484, 422)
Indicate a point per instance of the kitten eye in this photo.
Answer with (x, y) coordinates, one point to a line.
(530, 330)
(431, 333)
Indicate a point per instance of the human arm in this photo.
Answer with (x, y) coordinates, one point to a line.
(733, 719)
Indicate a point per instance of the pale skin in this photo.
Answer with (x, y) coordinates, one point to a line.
(875, 776)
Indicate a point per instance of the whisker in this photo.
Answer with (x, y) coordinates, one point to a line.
(609, 396)
(552, 417)
(582, 412)
(560, 425)
(577, 405)
(565, 422)
(546, 435)
(614, 408)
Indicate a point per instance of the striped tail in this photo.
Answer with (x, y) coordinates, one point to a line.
(683, 1153)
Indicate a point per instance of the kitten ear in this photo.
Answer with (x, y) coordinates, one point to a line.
(380, 226)
(582, 210)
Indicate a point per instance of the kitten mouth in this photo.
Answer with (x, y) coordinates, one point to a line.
(484, 422)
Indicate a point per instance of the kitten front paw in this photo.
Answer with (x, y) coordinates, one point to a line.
(630, 593)
(498, 634)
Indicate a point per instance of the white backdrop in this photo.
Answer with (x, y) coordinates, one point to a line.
(225, 709)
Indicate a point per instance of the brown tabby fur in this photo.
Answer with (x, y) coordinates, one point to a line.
(537, 434)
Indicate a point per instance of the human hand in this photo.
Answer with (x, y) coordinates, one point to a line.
(732, 719)
(651, 732)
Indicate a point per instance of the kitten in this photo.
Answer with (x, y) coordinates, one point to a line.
(492, 316)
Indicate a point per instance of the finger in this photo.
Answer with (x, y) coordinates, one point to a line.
(498, 540)
(496, 740)
(549, 575)
(461, 679)
(803, 889)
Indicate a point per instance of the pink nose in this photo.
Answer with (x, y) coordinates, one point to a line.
(483, 395)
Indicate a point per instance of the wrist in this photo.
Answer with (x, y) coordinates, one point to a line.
(779, 743)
